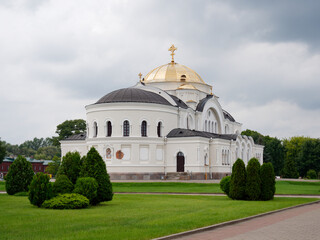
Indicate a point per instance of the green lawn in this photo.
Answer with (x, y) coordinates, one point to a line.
(2, 186)
(127, 216)
(292, 187)
(282, 187)
(178, 187)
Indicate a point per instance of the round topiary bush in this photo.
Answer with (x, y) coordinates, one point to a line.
(87, 186)
(225, 184)
(67, 201)
(40, 189)
(311, 174)
(238, 181)
(253, 184)
(19, 176)
(62, 185)
(268, 182)
(94, 166)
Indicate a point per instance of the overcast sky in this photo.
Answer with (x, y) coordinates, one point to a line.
(262, 58)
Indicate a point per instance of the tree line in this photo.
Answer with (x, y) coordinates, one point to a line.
(43, 148)
(291, 158)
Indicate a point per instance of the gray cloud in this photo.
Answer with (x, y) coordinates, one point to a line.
(58, 56)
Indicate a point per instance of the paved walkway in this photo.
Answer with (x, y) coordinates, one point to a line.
(294, 224)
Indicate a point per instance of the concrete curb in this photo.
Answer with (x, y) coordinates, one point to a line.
(214, 194)
(219, 225)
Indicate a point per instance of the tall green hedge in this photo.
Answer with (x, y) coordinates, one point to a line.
(253, 184)
(94, 166)
(238, 181)
(19, 176)
(268, 182)
(40, 189)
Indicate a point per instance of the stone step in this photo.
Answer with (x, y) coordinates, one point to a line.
(177, 176)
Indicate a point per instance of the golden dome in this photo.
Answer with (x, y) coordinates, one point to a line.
(173, 72)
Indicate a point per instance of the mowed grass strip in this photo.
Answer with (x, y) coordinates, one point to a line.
(2, 186)
(282, 187)
(127, 216)
(170, 187)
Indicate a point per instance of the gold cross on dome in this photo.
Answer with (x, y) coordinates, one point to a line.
(172, 49)
(140, 75)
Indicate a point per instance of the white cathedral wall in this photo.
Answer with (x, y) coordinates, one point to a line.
(74, 146)
(135, 113)
(193, 148)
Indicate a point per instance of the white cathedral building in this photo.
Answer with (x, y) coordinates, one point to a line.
(170, 123)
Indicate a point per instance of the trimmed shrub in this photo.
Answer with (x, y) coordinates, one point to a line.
(40, 189)
(70, 166)
(311, 174)
(94, 166)
(19, 176)
(87, 186)
(253, 184)
(268, 182)
(62, 185)
(225, 184)
(238, 181)
(67, 201)
(21, 194)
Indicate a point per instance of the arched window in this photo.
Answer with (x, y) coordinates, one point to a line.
(159, 129)
(95, 129)
(222, 156)
(126, 128)
(143, 129)
(215, 127)
(212, 129)
(109, 129)
(205, 126)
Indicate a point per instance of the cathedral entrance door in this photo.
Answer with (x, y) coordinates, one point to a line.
(180, 162)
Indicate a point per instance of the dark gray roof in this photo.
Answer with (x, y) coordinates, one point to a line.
(203, 102)
(133, 95)
(228, 116)
(179, 102)
(182, 132)
(80, 136)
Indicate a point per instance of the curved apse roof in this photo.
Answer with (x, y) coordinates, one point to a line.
(203, 102)
(132, 94)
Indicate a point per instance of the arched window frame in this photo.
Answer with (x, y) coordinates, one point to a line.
(108, 129)
(126, 128)
(95, 129)
(144, 128)
(159, 129)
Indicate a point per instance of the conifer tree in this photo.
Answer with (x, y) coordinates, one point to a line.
(238, 181)
(70, 166)
(253, 184)
(94, 166)
(19, 176)
(268, 182)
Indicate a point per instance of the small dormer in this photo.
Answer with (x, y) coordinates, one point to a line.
(183, 78)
